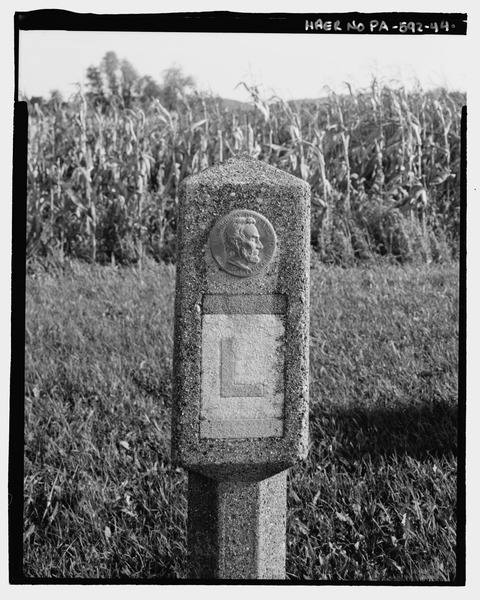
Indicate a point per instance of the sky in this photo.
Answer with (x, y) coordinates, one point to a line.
(291, 66)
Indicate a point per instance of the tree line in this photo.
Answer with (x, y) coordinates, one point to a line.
(116, 81)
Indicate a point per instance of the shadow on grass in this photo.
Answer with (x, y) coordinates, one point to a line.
(429, 430)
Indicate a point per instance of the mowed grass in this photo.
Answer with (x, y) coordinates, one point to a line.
(374, 501)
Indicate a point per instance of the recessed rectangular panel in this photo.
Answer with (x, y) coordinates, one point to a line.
(242, 376)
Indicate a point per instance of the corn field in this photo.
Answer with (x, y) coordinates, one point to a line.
(383, 165)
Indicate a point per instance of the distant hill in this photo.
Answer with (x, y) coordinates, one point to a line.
(235, 104)
(310, 101)
(239, 105)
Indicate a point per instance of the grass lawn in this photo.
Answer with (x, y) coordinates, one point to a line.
(374, 501)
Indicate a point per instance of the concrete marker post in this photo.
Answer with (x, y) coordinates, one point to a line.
(240, 410)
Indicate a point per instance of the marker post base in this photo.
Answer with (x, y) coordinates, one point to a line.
(236, 529)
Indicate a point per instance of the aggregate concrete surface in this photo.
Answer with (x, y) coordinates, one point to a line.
(205, 292)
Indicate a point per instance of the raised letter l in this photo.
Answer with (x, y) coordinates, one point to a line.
(228, 387)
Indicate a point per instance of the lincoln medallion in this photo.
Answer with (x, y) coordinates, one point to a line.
(242, 243)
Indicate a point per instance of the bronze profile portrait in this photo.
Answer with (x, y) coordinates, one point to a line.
(242, 243)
